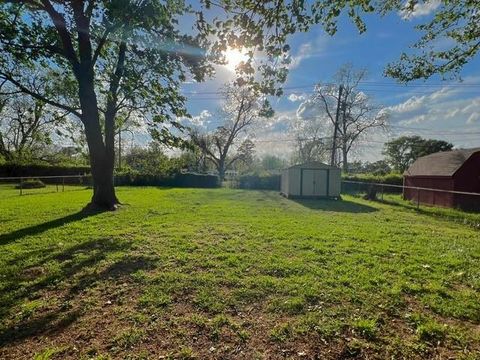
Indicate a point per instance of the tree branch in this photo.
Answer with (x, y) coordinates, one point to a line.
(39, 96)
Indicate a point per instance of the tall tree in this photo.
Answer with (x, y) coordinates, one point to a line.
(227, 144)
(400, 153)
(97, 58)
(352, 113)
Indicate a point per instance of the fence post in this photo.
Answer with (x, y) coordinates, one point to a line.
(63, 184)
(56, 184)
(21, 186)
(382, 192)
(418, 198)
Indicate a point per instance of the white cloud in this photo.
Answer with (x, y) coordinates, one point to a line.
(303, 53)
(422, 8)
(297, 97)
(473, 118)
(316, 48)
(413, 103)
(446, 108)
(200, 120)
(418, 102)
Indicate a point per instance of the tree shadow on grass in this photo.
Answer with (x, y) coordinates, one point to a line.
(40, 228)
(101, 262)
(335, 205)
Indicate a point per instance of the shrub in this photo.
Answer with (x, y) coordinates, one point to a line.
(18, 170)
(389, 179)
(260, 182)
(194, 180)
(31, 184)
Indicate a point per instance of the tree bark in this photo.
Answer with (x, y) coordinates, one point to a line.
(221, 170)
(101, 160)
(344, 158)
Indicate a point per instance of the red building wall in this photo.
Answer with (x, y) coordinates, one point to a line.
(467, 179)
(430, 197)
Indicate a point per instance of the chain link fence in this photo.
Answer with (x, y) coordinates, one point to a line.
(28, 185)
(417, 196)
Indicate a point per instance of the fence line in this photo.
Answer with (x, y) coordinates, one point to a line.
(59, 182)
(42, 177)
(410, 187)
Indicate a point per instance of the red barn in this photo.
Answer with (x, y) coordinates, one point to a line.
(456, 170)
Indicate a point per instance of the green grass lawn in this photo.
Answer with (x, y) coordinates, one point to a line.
(232, 274)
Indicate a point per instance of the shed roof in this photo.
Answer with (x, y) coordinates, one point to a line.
(313, 165)
(444, 163)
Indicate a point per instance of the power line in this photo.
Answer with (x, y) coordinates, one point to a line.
(364, 83)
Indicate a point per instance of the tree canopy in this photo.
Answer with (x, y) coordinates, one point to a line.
(400, 153)
(455, 23)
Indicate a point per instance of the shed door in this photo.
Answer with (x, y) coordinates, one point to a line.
(314, 182)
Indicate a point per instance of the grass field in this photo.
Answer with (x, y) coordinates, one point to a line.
(232, 274)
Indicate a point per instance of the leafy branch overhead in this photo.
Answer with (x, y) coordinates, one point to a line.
(455, 23)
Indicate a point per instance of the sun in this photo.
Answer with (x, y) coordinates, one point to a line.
(234, 57)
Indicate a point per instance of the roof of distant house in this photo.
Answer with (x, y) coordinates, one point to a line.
(445, 163)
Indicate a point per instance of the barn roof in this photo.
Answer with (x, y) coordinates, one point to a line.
(444, 163)
(313, 165)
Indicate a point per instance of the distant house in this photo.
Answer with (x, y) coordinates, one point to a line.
(457, 170)
(311, 180)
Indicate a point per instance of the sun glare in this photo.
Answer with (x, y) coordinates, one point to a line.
(234, 57)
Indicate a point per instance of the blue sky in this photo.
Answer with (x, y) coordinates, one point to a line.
(448, 110)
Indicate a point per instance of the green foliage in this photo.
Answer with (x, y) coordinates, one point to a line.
(454, 23)
(176, 180)
(260, 181)
(152, 160)
(379, 167)
(391, 179)
(18, 170)
(272, 162)
(400, 153)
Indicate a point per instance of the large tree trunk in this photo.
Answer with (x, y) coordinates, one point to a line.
(101, 159)
(103, 186)
(102, 165)
(221, 170)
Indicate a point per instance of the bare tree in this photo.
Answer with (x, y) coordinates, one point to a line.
(26, 126)
(242, 107)
(351, 112)
(311, 141)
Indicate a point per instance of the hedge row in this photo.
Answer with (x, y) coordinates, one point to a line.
(178, 180)
(391, 179)
(259, 182)
(17, 170)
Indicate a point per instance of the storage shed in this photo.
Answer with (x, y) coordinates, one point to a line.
(311, 180)
(456, 170)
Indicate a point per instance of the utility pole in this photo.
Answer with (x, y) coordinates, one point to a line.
(335, 130)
